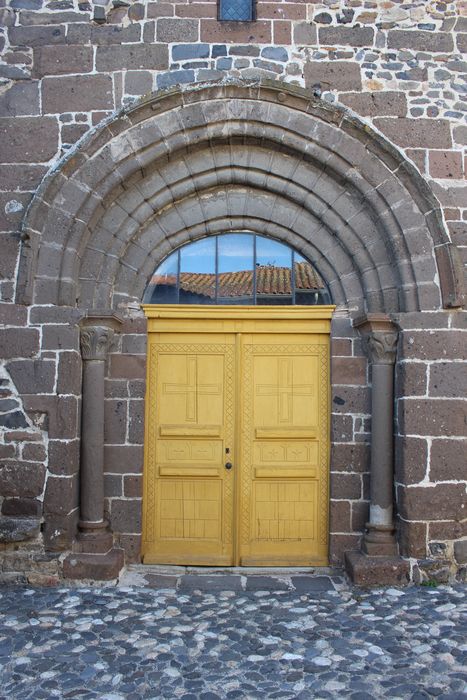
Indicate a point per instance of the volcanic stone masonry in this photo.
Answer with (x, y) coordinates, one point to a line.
(129, 128)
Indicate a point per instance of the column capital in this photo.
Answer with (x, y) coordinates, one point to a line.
(96, 332)
(95, 342)
(381, 336)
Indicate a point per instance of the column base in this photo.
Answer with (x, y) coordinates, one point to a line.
(96, 567)
(380, 541)
(366, 571)
(93, 538)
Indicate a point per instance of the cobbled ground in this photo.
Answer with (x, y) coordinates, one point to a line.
(305, 638)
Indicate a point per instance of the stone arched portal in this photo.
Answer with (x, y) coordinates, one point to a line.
(266, 158)
(216, 158)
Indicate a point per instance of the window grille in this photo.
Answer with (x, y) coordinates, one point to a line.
(237, 10)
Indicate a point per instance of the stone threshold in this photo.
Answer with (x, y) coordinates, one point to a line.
(187, 579)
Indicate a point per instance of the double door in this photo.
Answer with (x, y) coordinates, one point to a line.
(237, 436)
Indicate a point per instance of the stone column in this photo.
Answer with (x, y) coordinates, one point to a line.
(95, 341)
(94, 556)
(381, 340)
(378, 562)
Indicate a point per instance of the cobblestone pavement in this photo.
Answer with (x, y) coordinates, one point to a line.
(233, 637)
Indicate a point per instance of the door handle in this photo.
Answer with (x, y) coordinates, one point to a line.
(228, 465)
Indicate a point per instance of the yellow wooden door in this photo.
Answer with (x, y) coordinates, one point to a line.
(189, 495)
(237, 436)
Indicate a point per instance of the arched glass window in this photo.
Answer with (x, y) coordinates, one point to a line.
(236, 268)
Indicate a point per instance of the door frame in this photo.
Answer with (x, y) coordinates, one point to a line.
(177, 318)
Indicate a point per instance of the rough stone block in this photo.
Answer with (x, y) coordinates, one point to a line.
(37, 36)
(215, 32)
(13, 314)
(58, 532)
(21, 479)
(177, 30)
(138, 82)
(304, 34)
(420, 40)
(115, 421)
(447, 530)
(368, 571)
(131, 544)
(448, 379)
(460, 551)
(437, 502)
(412, 539)
(411, 379)
(350, 399)
(136, 422)
(132, 486)
(98, 567)
(350, 457)
(416, 133)
(136, 57)
(61, 496)
(427, 345)
(339, 516)
(22, 507)
(436, 417)
(448, 460)
(339, 544)
(33, 376)
(376, 104)
(333, 75)
(411, 455)
(446, 164)
(59, 60)
(18, 529)
(21, 99)
(30, 139)
(18, 342)
(123, 459)
(346, 36)
(342, 428)
(127, 366)
(61, 411)
(69, 373)
(77, 93)
(346, 486)
(348, 370)
(125, 515)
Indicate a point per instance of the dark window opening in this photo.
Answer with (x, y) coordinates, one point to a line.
(236, 10)
(236, 268)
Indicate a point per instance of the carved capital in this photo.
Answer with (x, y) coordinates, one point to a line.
(95, 342)
(382, 347)
(380, 334)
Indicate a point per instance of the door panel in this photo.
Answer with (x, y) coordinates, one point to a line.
(284, 450)
(188, 492)
(224, 390)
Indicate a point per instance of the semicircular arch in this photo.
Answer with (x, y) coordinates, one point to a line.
(209, 159)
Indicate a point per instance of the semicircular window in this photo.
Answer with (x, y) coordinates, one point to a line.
(236, 268)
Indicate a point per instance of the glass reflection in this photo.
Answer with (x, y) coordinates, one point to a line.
(235, 269)
(163, 287)
(198, 272)
(274, 283)
(309, 288)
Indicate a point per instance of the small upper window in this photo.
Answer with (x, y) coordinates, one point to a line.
(236, 10)
(236, 268)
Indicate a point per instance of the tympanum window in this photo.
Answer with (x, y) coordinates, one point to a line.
(236, 268)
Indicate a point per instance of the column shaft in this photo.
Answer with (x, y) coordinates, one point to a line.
(381, 486)
(92, 443)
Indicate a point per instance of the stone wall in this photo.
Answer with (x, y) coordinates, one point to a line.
(67, 66)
